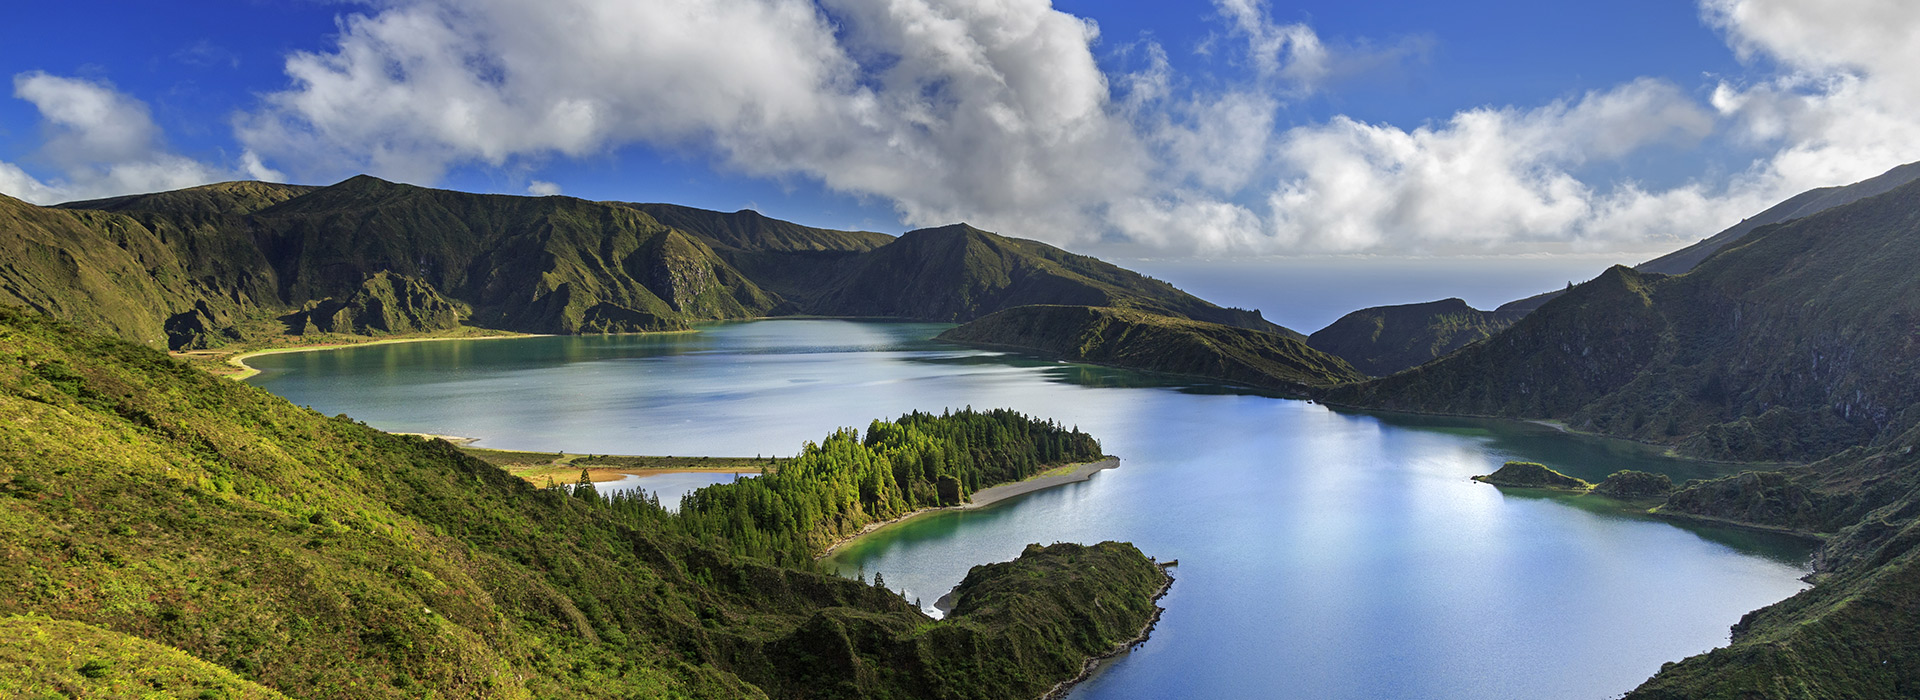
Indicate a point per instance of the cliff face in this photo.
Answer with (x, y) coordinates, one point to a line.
(1138, 340)
(384, 303)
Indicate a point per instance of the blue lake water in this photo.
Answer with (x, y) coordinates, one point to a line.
(1322, 554)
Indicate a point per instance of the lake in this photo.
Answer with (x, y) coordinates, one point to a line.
(1323, 554)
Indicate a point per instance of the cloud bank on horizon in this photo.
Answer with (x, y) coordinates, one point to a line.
(996, 112)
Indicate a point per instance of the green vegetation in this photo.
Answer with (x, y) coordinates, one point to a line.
(1533, 475)
(959, 273)
(1386, 339)
(1144, 341)
(1632, 485)
(838, 486)
(244, 263)
(324, 559)
(41, 657)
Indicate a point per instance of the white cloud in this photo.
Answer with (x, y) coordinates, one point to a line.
(542, 188)
(103, 142)
(991, 112)
(995, 112)
(1487, 177)
(1846, 104)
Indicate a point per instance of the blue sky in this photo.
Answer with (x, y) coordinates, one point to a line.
(1143, 130)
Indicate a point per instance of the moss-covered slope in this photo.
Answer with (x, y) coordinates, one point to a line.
(1145, 341)
(41, 657)
(324, 559)
(1383, 340)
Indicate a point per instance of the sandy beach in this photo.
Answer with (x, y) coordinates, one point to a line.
(246, 371)
(989, 496)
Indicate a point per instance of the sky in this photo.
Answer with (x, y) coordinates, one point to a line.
(1159, 133)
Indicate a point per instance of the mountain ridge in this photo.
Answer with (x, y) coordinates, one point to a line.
(234, 260)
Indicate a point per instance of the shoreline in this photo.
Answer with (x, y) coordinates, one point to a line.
(247, 371)
(1093, 664)
(987, 497)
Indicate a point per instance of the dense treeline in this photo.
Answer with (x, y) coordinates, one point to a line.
(835, 487)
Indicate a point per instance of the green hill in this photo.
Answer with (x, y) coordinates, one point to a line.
(1383, 340)
(959, 273)
(1793, 344)
(1138, 340)
(320, 558)
(1532, 475)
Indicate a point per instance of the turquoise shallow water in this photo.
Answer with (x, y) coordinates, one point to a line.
(1322, 554)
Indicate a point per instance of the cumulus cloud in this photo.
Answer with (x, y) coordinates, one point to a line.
(996, 112)
(1486, 177)
(102, 142)
(992, 112)
(542, 188)
(1846, 102)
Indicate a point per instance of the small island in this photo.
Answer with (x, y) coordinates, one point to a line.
(1532, 475)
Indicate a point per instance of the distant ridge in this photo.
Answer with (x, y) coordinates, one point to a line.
(210, 265)
(1383, 340)
(1379, 350)
(1140, 340)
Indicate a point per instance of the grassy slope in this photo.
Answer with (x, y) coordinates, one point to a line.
(46, 659)
(321, 558)
(1386, 339)
(1138, 340)
(106, 271)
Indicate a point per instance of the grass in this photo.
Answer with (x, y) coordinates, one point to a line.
(41, 657)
